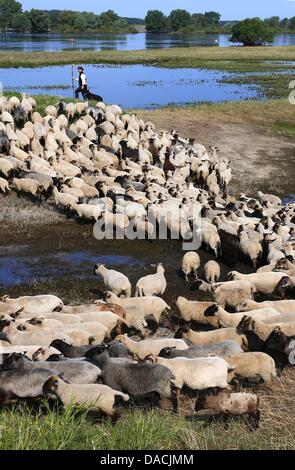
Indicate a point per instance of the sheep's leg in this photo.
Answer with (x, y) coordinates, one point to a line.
(253, 420)
(175, 392)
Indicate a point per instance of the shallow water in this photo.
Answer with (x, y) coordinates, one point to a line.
(100, 42)
(132, 86)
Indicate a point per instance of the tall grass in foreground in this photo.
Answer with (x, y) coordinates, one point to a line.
(22, 429)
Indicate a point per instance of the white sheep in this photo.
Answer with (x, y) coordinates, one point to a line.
(154, 284)
(148, 306)
(254, 365)
(95, 396)
(115, 281)
(212, 271)
(190, 263)
(150, 347)
(198, 374)
(193, 310)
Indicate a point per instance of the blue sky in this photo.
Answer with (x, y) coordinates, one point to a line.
(230, 9)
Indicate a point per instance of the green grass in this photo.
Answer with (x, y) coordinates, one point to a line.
(23, 429)
(234, 59)
(273, 86)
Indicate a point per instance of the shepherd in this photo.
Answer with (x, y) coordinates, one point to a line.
(82, 84)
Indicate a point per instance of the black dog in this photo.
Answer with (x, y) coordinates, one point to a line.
(90, 96)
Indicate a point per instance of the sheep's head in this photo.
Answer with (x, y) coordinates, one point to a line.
(97, 269)
(50, 387)
(282, 264)
(36, 321)
(108, 295)
(17, 313)
(244, 306)
(166, 352)
(200, 285)
(232, 276)
(39, 355)
(245, 324)
(13, 361)
(121, 338)
(3, 337)
(182, 332)
(212, 316)
(4, 324)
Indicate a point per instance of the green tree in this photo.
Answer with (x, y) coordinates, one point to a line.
(109, 17)
(8, 8)
(40, 21)
(21, 23)
(284, 24)
(179, 19)
(251, 32)
(156, 21)
(273, 22)
(212, 17)
(292, 23)
(199, 20)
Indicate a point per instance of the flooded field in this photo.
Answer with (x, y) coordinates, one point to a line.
(132, 86)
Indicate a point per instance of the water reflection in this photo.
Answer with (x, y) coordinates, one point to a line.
(99, 42)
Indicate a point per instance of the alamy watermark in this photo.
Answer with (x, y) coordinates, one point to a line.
(158, 223)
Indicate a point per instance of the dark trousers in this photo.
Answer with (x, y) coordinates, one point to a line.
(81, 90)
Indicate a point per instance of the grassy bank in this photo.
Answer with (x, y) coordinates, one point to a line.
(22, 428)
(235, 59)
(276, 116)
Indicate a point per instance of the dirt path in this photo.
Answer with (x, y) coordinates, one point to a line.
(260, 161)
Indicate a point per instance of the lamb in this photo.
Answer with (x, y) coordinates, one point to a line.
(190, 263)
(141, 349)
(265, 283)
(154, 284)
(115, 281)
(227, 403)
(149, 306)
(227, 348)
(212, 271)
(97, 396)
(211, 337)
(193, 310)
(254, 365)
(81, 373)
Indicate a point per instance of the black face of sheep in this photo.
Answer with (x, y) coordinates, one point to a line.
(211, 311)
(166, 352)
(196, 285)
(50, 387)
(179, 333)
(4, 324)
(244, 324)
(3, 337)
(13, 361)
(60, 345)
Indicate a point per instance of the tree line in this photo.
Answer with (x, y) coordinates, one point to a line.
(13, 18)
(182, 21)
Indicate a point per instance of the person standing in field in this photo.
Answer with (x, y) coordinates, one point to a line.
(82, 80)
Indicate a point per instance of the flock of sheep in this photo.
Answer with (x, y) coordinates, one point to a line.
(97, 163)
